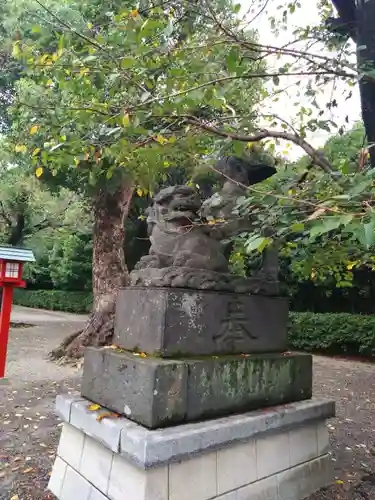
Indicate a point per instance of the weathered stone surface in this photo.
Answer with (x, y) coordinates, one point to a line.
(176, 322)
(158, 392)
(203, 279)
(246, 383)
(148, 391)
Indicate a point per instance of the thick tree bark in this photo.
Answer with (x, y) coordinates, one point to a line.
(365, 22)
(357, 18)
(109, 272)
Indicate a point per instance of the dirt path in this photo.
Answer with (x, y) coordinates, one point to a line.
(29, 429)
(352, 385)
(28, 347)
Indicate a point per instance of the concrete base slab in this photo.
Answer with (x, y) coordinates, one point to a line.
(280, 454)
(158, 392)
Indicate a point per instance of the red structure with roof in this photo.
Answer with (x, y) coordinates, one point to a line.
(11, 266)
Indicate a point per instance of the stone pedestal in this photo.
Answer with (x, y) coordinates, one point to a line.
(173, 322)
(275, 454)
(159, 392)
(181, 357)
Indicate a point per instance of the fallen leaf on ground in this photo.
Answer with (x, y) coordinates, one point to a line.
(15, 497)
(29, 469)
(94, 407)
(107, 415)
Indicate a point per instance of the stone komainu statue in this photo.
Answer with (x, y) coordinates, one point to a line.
(185, 251)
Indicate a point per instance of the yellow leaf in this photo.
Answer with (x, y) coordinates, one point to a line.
(160, 139)
(34, 129)
(350, 265)
(20, 148)
(134, 13)
(15, 497)
(126, 120)
(29, 469)
(39, 171)
(16, 49)
(143, 355)
(108, 414)
(139, 192)
(339, 481)
(89, 25)
(49, 83)
(94, 407)
(36, 151)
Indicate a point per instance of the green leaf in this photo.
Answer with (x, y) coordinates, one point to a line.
(359, 188)
(324, 226)
(128, 62)
(344, 284)
(298, 227)
(256, 242)
(276, 79)
(232, 60)
(369, 234)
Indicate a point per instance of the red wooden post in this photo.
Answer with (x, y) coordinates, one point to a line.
(6, 308)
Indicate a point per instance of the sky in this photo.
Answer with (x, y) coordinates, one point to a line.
(308, 14)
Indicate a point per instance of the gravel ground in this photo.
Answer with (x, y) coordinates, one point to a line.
(29, 429)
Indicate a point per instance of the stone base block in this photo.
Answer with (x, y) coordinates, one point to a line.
(158, 392)
(278, 454)
(171, 322)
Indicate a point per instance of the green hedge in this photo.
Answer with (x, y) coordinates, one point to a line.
(332, 333)
(58, 300)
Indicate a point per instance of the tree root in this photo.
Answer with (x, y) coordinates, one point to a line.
(97, 332)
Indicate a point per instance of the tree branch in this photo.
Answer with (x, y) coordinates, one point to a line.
(315, 155)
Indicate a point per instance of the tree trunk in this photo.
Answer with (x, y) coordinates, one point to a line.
(365, 19)
(109, 272)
